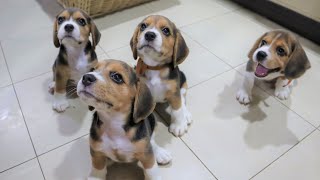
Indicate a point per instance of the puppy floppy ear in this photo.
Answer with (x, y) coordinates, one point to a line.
(56, 41)
(134, 42)
(96, 35)
(256, 46)
(298, 62)
(180, 50)
(143, 103)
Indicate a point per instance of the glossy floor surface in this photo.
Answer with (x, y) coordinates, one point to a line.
(270, 139)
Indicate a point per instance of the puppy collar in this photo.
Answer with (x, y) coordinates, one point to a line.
(142, 67)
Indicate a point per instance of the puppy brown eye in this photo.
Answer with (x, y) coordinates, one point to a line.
(60, 20)
(280, 51)
(143, 27)
(263, 42)
(116, 77)
(166, 31)
(81, 22)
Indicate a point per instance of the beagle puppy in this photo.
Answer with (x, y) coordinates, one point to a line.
(161, 48)
(71, 31)
(277, 56)
(123, 123)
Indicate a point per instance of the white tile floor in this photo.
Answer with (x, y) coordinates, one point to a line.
(271, 139)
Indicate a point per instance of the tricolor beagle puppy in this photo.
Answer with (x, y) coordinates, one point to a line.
(123, 123)
(71, 31)
(276, 56)
(160, 48)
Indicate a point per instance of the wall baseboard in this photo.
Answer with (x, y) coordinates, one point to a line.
(288, 18)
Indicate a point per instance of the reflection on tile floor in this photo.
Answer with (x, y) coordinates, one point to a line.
(270, 139)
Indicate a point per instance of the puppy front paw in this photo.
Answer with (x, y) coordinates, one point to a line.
(282, 93)
(243, 97)
(60, 103)
(179, 128)
(163, 156)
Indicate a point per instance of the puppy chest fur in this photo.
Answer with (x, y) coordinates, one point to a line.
(156, 85)
(119, 140)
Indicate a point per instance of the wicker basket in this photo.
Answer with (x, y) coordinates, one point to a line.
(100, 7)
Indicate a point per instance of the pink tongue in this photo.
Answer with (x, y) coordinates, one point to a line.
(261, 71)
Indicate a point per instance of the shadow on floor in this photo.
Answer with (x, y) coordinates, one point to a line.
(263, 129)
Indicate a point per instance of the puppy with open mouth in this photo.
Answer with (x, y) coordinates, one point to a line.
(161, 48)
(71, 32)
(123, 123)
(276, 56)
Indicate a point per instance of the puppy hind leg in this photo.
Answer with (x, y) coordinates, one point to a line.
(99, 166)
(150, 166)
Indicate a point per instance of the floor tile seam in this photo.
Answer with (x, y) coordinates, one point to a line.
(23, 116)
(62, 145)
(283, 154)
(32, 77)
(205, 166)
(205, 48)
(5, 86)
(207, 18)
(105, 52)
(12, 167)
(215, 76)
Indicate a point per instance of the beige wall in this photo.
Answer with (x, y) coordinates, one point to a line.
(309, 8)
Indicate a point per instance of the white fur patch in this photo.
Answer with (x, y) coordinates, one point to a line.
(77, 61)
(150, 56)
(114, 138)
(265, 49)
(157, 88)
(75, 33)
(60, 102)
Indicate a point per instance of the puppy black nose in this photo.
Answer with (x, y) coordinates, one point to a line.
(88, 79)
(69, 27)
(261, 55)
(150, 36)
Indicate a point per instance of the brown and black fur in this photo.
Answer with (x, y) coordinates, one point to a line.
(295, 61)
(174, 51)
(129, 97)
(62, 70)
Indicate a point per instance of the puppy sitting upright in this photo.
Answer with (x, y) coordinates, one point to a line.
(278, 56)
(123, 123)
(160, 48)
(76, 57)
